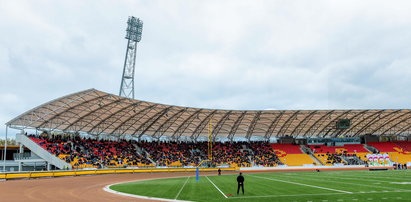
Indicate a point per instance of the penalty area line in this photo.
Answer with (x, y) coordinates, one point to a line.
(216, 187)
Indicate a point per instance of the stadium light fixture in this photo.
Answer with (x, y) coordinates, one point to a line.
(134, 29)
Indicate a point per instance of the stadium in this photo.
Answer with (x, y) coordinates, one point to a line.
(98, 146)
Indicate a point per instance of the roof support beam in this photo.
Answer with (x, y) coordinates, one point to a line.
(376, 114)
(389, 121)
(139, 114)
(361, 114)
(273, 125)
(200, 127)
(151, 121)
(92, 112)
(220, 124)
(375, 120)
(183, 126)
(235, 126)
(403, 129)
(287, 124)
(112, 115)
(322, 131)
(320, 120)
(168, 123)
(252, 125)
(303, 122)
(72, 98)
(402, 120)
(72, 107)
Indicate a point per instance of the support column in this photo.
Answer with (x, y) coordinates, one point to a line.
(21, 151)
(48, 166)
(5, 150)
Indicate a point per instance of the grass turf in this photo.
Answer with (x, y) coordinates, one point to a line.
(392, 185)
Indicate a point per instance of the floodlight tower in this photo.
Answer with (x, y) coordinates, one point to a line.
(134, 30)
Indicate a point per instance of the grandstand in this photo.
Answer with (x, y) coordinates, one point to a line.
(93, 129)
(83, 153)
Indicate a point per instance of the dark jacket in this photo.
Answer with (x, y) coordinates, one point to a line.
(240, 179)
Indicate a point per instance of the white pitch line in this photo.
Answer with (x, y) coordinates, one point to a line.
(178, 194)
(216, 187)
(374, 177)
(383, 187)
(107, 189)
(307, 185)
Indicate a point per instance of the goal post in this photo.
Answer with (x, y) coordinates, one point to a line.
(198, 168)
(209, 151)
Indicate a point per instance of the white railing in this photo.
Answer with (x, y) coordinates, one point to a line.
(42, 153)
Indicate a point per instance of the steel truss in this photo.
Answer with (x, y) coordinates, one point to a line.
(101, 114)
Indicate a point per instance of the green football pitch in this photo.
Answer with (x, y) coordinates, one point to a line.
(394, 185)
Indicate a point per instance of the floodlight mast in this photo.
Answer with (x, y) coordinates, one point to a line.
(134, 30)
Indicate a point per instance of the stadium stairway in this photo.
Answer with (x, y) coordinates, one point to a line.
(140, 151)
(42, 153)
(356, 153)
(148, 157)
(292, 155)
(310, 153)
(251, 161)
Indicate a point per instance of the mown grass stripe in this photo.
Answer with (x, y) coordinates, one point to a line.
(324, 194)
(349, 183)
(307, 185)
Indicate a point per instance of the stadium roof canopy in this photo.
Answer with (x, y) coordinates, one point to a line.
(97, 112)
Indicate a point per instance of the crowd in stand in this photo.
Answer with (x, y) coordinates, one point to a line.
(264, 155)
(172, 153)
(88, 152)
(334, 158)
(189, 153)
(231, 153)
(342, 158)
(100, 153)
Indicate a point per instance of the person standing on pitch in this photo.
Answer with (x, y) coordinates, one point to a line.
(219, 171)
(240, 181)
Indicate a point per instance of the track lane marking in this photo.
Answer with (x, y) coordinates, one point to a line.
(216, 187)
(178, 194)
(307, 185)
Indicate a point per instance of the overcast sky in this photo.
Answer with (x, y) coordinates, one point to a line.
(215, 54)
